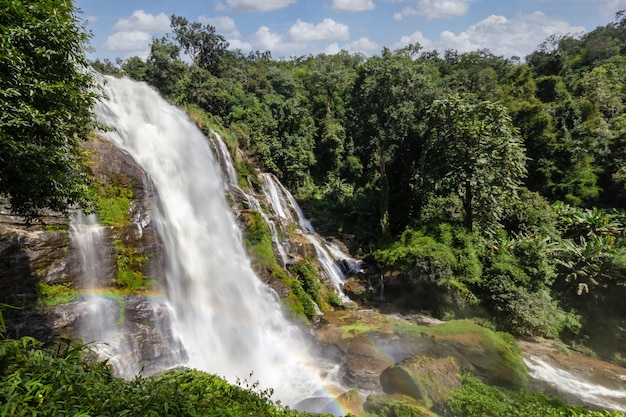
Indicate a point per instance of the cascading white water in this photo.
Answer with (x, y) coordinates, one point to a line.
(229, 322)
(101, 324)
(283, 203)
(224, 159)
(565, 383)
(275, 196)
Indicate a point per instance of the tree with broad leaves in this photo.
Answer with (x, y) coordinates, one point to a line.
(473, 150)
(46, 97)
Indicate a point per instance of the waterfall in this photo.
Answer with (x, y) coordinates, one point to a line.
(229, 322)
(101, 320)
(329, 256)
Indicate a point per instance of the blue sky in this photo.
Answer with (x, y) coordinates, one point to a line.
(288, 28)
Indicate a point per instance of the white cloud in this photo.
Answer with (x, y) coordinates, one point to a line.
(407, 11)
(142, 21)
(353, 5)
(239, 44)
(436, 9)
(266, 40)
(517, 36)
(136, 42)
(416, 37)
(327, 30)
(223, 24)
(256, 5)
(364, 45)
(332, 49)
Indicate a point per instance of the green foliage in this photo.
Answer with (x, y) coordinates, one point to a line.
(475, 398)
(473, 150)
(334, 300)
(55, 294)
(308, 277)
(65, 380)
(112, 203)
(46, 95)
(200, 43)
(258, 240)
(443, 259)
(129, 269)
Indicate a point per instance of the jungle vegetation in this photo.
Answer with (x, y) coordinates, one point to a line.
(496, 185)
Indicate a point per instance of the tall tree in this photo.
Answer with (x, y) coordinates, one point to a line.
(473, 150)
(201, 43)
(46, 96)
(388, 96)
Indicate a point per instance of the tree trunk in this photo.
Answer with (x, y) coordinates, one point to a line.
(467, 206)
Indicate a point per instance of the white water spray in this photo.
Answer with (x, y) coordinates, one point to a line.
(101, 320)
(229, 322)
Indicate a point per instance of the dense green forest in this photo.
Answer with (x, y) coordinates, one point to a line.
(494, 184)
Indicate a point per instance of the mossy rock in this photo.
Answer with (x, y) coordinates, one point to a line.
(396, 405)
(373, 341)
(492, 356)
(430, 380)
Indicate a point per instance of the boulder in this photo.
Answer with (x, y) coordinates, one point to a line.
(430, 380)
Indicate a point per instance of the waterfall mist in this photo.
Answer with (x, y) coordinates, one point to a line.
(228, 321)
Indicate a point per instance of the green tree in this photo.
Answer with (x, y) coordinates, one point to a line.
(473, 150)
(46, 96)
(201, 43)
(388, 96)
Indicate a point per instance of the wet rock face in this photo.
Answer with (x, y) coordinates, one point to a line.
(42, 253)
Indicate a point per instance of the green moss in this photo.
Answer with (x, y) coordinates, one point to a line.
(56, 294)
(258, 241)
(504, 354)
(112, 203)
(130, 263)
(396, 405)
(355, 329)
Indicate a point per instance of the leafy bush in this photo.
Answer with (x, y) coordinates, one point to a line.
(65, 381)
(519, 305)
(442, 261)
